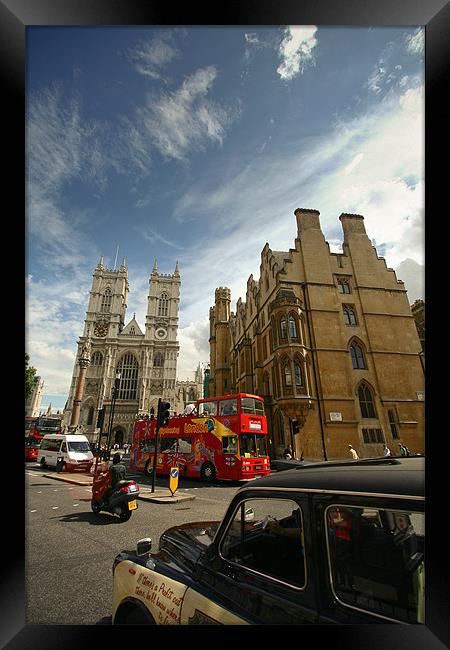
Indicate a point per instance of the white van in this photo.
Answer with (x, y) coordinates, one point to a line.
(74, 449)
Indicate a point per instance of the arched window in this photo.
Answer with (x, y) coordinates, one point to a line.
(158, 360)
(106, 300)
(343, 285)
(292, 327)
(283, 328)
(357, 357)
(298, 376)
(128, 368)
(287, 374)
(97, 359)
(349, 315)
(366, 402)
(163, 304)
(90, 416)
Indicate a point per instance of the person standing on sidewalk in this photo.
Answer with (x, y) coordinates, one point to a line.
(353, 453)
(386, 451)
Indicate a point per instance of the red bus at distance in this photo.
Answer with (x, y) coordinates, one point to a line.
(35, 429)
(225, 438)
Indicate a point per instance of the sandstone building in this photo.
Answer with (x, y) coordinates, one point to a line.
(329, 340)
(146, 359)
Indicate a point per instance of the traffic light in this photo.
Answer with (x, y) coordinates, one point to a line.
(101, 418)
(163, 414)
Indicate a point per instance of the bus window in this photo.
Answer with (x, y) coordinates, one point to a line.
(229, 445)
(251, 405)
(184, 445)
(168, 444)
(253, 444)
(147, 445)
(208, 408)
(228, 407)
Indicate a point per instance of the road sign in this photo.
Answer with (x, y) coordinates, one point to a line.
(173, 479)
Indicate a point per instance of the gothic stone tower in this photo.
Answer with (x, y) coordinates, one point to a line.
(146, 360)
(219, 317)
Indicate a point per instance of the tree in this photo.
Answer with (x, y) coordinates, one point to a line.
(30, 378)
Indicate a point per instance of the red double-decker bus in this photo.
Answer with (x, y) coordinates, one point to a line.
(225, 438)
(35, 429)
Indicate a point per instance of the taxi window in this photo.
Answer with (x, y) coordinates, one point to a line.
(376, 560)
(266, 536)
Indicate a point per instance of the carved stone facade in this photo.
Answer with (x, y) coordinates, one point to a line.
(329, 340)
(146, 360)
(189, 390)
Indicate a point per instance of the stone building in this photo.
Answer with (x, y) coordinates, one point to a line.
(418, 311)
(33, 404)
(188, 390)
(145, 358)
(329, 340)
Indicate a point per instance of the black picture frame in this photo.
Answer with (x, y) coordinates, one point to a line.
(15, 17)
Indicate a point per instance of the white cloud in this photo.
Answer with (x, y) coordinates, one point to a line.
(152, 55)
(194, 347)
(415, 43)
(354, 163)
(296, 51)
(184, 120)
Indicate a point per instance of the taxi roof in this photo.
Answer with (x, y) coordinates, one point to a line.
(403, 476)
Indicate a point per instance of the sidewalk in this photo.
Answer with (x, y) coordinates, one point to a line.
(160, 495)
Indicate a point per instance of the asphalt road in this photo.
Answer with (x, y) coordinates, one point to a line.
(70, 550)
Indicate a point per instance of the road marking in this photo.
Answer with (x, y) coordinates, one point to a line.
(55, 507)
(75, 505)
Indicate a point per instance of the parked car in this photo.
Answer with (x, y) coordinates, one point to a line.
(335, 542)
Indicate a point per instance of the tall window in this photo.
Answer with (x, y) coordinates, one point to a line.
(357, 357)
(298, 374)
(366, 402)
(158, 360)
(343, 285)
(393, 424)
(90, 416)
(128, 368)
(283, 328)
(287, 374)
(97, 359)
(106, 300)
(163, 305)
(292, 327)
(349, 315)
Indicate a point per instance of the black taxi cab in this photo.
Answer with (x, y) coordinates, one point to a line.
(334, 542)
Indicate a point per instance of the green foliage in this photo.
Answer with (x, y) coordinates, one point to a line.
(30, 377)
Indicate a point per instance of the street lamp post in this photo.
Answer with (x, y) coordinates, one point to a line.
(113, 406)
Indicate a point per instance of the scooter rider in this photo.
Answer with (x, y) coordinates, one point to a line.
(117, 470)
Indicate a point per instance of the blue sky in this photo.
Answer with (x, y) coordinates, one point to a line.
(197, 144)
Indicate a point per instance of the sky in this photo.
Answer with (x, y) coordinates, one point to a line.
(197, 144)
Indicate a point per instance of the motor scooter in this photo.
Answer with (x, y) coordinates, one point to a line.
(121, 501)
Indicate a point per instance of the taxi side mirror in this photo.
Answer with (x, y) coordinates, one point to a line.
(144, 546)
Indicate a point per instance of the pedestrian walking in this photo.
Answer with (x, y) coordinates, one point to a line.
(353, 452)
(404, 451)
(386, 451)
